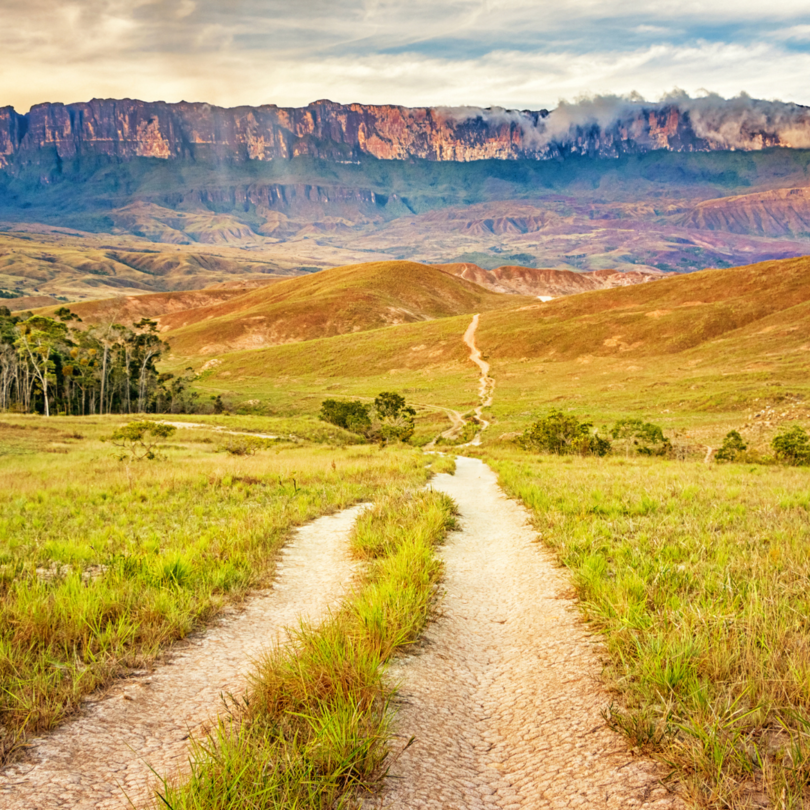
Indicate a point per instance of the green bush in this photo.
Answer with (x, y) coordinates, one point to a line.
(563, 434)
(733, 448)
(347, 414)
(390, 418)
(792, 446)
(644, 437)
(140, 440)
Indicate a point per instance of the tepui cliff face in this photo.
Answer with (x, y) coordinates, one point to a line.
(127, 129)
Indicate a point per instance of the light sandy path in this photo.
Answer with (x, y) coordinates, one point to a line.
(218, 429)
(486, 385)
(89, 762)
(504, 697)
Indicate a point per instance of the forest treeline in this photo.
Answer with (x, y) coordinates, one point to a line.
(58, 365)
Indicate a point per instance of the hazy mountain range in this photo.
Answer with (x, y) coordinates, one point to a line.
(607, 184)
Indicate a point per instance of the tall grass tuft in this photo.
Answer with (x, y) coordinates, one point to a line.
(314, 730)
(103, 564)
(698, 578)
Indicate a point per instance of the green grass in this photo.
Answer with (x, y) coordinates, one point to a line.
(103, 563)
(314, 729)
(697, 579)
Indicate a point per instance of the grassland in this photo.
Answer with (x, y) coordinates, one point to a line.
(341, 300)
(696, 578)
(699, 354)
(104, 563)
(315, 728)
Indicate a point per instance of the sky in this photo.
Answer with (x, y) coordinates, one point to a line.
(518, 54)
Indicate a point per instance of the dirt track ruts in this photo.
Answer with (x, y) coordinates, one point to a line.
(105, 753)
(504, 698)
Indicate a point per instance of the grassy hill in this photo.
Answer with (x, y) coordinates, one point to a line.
(342, 300)
(77, 267)
(700, 354)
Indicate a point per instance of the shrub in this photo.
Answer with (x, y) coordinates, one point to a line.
(645, 438)
(390, 418)
(792, 446)
(140, 440)
(347, 414)
(733, 448)
(245, 445)
(563, 434)
(396, 418)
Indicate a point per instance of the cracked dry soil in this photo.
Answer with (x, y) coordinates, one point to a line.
(504, 697)
(104, 755)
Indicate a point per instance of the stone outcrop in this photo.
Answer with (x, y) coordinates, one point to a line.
(126, 129)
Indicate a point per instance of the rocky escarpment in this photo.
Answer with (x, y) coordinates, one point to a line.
(127, 129)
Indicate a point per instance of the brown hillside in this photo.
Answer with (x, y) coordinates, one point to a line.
(670, 316)
(546, 282)
(354, 298)
(782, 212)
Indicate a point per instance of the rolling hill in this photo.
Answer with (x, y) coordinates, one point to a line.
(705, 351)
(342, 300)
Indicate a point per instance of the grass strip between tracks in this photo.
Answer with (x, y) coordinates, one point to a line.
(104, 564)
(314, 730)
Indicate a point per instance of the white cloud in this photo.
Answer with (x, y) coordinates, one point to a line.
(425, 52)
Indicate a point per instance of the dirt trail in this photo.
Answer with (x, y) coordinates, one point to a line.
(486, 385)
(504, 697)
(218, 429)
(93, 761)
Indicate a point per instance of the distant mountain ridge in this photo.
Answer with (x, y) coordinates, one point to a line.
(125, 129)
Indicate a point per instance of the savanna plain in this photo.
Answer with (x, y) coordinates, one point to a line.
(609, 417)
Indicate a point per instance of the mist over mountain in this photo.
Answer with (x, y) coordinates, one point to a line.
(608, 183)
(604, 126)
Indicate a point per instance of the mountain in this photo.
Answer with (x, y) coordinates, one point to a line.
(124, 129)
(614, 185)
(546, 283)
(333, 302)
(723, 346)
(780, 212)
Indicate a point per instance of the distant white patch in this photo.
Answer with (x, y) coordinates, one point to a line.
(545, 298)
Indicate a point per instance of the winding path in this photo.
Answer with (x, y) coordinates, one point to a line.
(486, 385)
(503, 698)
(104, 756)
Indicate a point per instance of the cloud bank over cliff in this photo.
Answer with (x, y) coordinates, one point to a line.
(739, 123)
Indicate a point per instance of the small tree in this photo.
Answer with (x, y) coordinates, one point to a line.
(792, 446)
(733, 448)
(645, 438)
(347, 414)
(396, 418)
(141, 440)
(563, 434)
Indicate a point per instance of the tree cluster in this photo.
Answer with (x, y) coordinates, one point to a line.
(563, 434)
(390, 418)
(52, 365)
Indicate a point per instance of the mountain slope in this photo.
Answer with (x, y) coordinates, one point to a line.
(546, 282)
(342, 300)
(670, 316)
(781, 212)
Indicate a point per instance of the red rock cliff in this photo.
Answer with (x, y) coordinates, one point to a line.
(126, 129)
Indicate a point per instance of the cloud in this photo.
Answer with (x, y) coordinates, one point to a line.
(511, 53)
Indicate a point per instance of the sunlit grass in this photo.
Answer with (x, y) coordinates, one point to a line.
(314, 730)
(697, 578)
(103, 563)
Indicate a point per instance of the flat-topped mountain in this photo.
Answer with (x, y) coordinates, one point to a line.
(127, 128)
